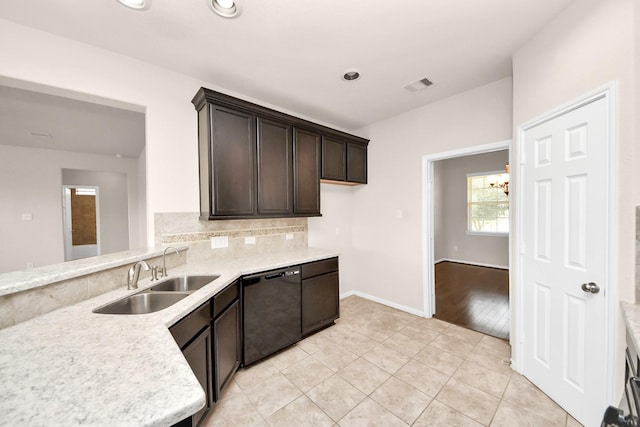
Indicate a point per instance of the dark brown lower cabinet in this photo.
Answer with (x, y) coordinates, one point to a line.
(320, 295)
(193, 336)
(198, 355)
(227, 346)
(211, 336)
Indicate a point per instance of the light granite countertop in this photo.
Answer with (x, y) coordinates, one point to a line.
(72, 366)
(22, 280)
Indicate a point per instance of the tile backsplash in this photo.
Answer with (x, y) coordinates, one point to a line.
(270, 234)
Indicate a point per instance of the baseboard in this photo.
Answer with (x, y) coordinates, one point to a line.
(347, 294)
(382, 301)
(479, 264)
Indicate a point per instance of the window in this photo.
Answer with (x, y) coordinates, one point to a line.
(487, 205)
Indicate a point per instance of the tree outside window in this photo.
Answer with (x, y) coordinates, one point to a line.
(487, 206)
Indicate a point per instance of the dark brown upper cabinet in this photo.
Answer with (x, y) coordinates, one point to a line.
(356, 163)
(231, 159)
(343, 162)
(306, 172)
(258, 162)
(334, 159)
(275, 168)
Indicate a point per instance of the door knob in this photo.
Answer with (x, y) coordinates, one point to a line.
(590, 287)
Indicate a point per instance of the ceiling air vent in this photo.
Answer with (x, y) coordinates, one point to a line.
(418, 85)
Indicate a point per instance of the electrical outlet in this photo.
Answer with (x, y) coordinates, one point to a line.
(289, 236)
(219, 242)
(250, 240)
(27, 217)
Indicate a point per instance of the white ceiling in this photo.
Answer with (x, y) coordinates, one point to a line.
(291, 53)
(40, 120)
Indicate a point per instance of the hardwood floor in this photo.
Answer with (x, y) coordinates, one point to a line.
(473, 297)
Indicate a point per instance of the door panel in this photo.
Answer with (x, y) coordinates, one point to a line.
(542, 320)
(574, 350)
(565, 244)
(306, 171)
(542, 220)
(275, 170)
(576, 222)
(233, 159)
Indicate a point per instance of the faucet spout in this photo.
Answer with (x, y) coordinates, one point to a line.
(163, 272)
(134, 274)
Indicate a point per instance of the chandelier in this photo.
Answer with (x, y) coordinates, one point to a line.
(504, 186)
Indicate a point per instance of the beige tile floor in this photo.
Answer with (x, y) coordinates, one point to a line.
(382, 367)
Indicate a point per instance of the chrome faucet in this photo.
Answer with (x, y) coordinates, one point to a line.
(134, 274)
(163, 272)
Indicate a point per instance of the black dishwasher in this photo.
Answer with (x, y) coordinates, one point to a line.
(272, 313)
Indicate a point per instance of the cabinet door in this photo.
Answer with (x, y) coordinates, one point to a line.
(227, 346)
(233, 163)
(306, 173)
(320, 302)
(334, 159)
(356, 163)
(275, 169)
(198, 355)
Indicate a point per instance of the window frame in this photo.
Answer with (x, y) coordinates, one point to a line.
(469, 204)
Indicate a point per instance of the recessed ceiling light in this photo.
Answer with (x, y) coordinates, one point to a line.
(351, 75)
(135, 4)
(225, 8)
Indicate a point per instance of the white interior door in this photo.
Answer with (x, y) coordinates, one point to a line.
(564, 258)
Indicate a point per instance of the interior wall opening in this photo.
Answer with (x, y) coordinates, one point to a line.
(471, 242)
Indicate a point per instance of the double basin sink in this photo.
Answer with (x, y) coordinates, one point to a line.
(158, 297)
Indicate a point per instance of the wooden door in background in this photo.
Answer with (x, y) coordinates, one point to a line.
(83, 219)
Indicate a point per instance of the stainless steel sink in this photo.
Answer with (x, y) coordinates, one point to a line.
(158, 297)
(184, 283)
(142, 303)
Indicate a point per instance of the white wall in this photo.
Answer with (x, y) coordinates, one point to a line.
(165, 97)
(31, 182)
(587, 46)
(333, 229)
(138, 206)
(113, 204)
(452, 241)
(386, 241)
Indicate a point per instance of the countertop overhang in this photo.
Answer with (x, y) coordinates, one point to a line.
(72, 366)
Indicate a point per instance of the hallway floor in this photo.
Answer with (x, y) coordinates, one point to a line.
(383, 367)
(473, 297)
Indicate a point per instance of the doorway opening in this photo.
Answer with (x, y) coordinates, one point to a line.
(98, 228)
(81, 213)
(467, 238)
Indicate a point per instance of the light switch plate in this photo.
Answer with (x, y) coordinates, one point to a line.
(27, 217)
(250, 240)
(289, 236)
(219, 242)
